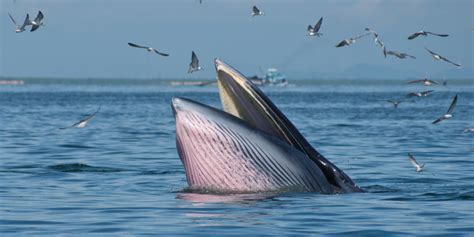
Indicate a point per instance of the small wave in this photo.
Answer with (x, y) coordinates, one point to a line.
(345, 125)
(76, 146)
(431, 196)
(379, 189)
(78, 167)
(152, 172)
(370, 233)
(448, 196)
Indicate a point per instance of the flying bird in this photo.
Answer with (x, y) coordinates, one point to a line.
(439, 57)
(314, 31)
(400, 55)
(395, 102)
(425, 82)
(469, 130)
(256, 12)
(36, 23)
(149, 49)
(425, 33)
(194, 65)
(448, 114)
(419, 94)
(83, 122)
(21, 28)
(419, 167)
(350, 40)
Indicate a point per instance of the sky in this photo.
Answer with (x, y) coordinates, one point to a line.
(88, 38)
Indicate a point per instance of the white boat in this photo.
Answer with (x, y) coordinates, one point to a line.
(275, 78)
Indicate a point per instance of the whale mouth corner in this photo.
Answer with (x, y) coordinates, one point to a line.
(175, 105)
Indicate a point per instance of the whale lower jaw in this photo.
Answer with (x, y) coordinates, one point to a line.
(221, 153)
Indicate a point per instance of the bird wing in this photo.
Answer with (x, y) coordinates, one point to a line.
(318, 25)
(379, 42)
(392, 53)
(90, 116)
(342, 43)
(426, 92)
(34, 27)
(26, 22)
(39, 17)
(362, 35)
(255, 10)
(449, 61)
(415, 81)
(382, 46)
(434, 82)
(438, 120)
(194, 60)
(137, 46)
(441, 35)
(414, 35)
(453, 104)
(160, 53)
(408, 55)
(83, 120)
(11, 17)
(431, 52)
(373, 32)
(413, 160)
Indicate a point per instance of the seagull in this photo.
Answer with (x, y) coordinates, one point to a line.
(425, 33)
(448, 114)
(149, 49)
(413, 161)
(400, 55)
(36, 23)
(395, 102)
(83, 122)
(469, 130)
(419, 94)
(194, 65)
(256, 12)
(439, 57)
(314, 31)
(350, 40)
(21, 28)
(425, 82)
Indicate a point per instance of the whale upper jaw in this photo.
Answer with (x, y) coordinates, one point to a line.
(245, 100)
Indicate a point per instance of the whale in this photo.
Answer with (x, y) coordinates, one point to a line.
(250, 146)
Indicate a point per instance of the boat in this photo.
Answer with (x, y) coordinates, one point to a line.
(271, 78)
(12, 82)
(275, 78)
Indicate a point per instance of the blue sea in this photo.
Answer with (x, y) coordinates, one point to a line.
(121, 175)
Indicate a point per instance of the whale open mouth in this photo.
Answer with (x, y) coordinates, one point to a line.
(251, 147)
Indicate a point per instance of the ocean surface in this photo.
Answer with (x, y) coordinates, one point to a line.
(121, 175)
